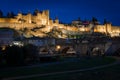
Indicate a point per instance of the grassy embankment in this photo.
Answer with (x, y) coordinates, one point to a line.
(62, 66)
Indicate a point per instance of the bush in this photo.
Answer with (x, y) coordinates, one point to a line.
(14, 55)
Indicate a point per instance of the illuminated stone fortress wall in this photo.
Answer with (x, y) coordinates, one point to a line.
(42, 18)
(28, 20)
(108, 29)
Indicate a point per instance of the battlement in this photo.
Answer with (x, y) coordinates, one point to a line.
(39, 18)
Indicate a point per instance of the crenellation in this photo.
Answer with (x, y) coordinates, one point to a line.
(39, 18)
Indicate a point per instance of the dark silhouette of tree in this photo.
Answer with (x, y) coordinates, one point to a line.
(105, 21)
(1, 14)
(1, 55)
(30, 53)
(36, 11)
(94, 20)
(10, 15)
(14, 56)
(79, 19)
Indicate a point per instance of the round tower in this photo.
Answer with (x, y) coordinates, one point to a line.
(29, 15)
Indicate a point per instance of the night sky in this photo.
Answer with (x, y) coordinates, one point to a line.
(68, 10)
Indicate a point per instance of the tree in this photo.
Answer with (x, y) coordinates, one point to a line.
(35, 12)
(14, 56)
(105, 21)
(10, 15)
(1, 14)
(79, 21)
(30, 53)
(94, 20)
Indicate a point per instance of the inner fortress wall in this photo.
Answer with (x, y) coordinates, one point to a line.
(8, 20)
(17, 26)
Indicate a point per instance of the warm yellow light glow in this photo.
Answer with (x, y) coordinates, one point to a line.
(82, 29)
(58, 47)
(3, 48)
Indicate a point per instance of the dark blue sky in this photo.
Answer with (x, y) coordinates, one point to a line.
(68, 10)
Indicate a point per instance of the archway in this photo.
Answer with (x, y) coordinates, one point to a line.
(96, 51)
(68, 51)
(45, 51)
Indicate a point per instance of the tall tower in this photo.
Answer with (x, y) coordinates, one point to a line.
(19, 15)
(50, 22)
(47, 15)
(29, 16)
(108, 28)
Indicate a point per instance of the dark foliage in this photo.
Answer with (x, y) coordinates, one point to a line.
(10, 15)
(30, 53)
(14, 55)
(1, 14)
